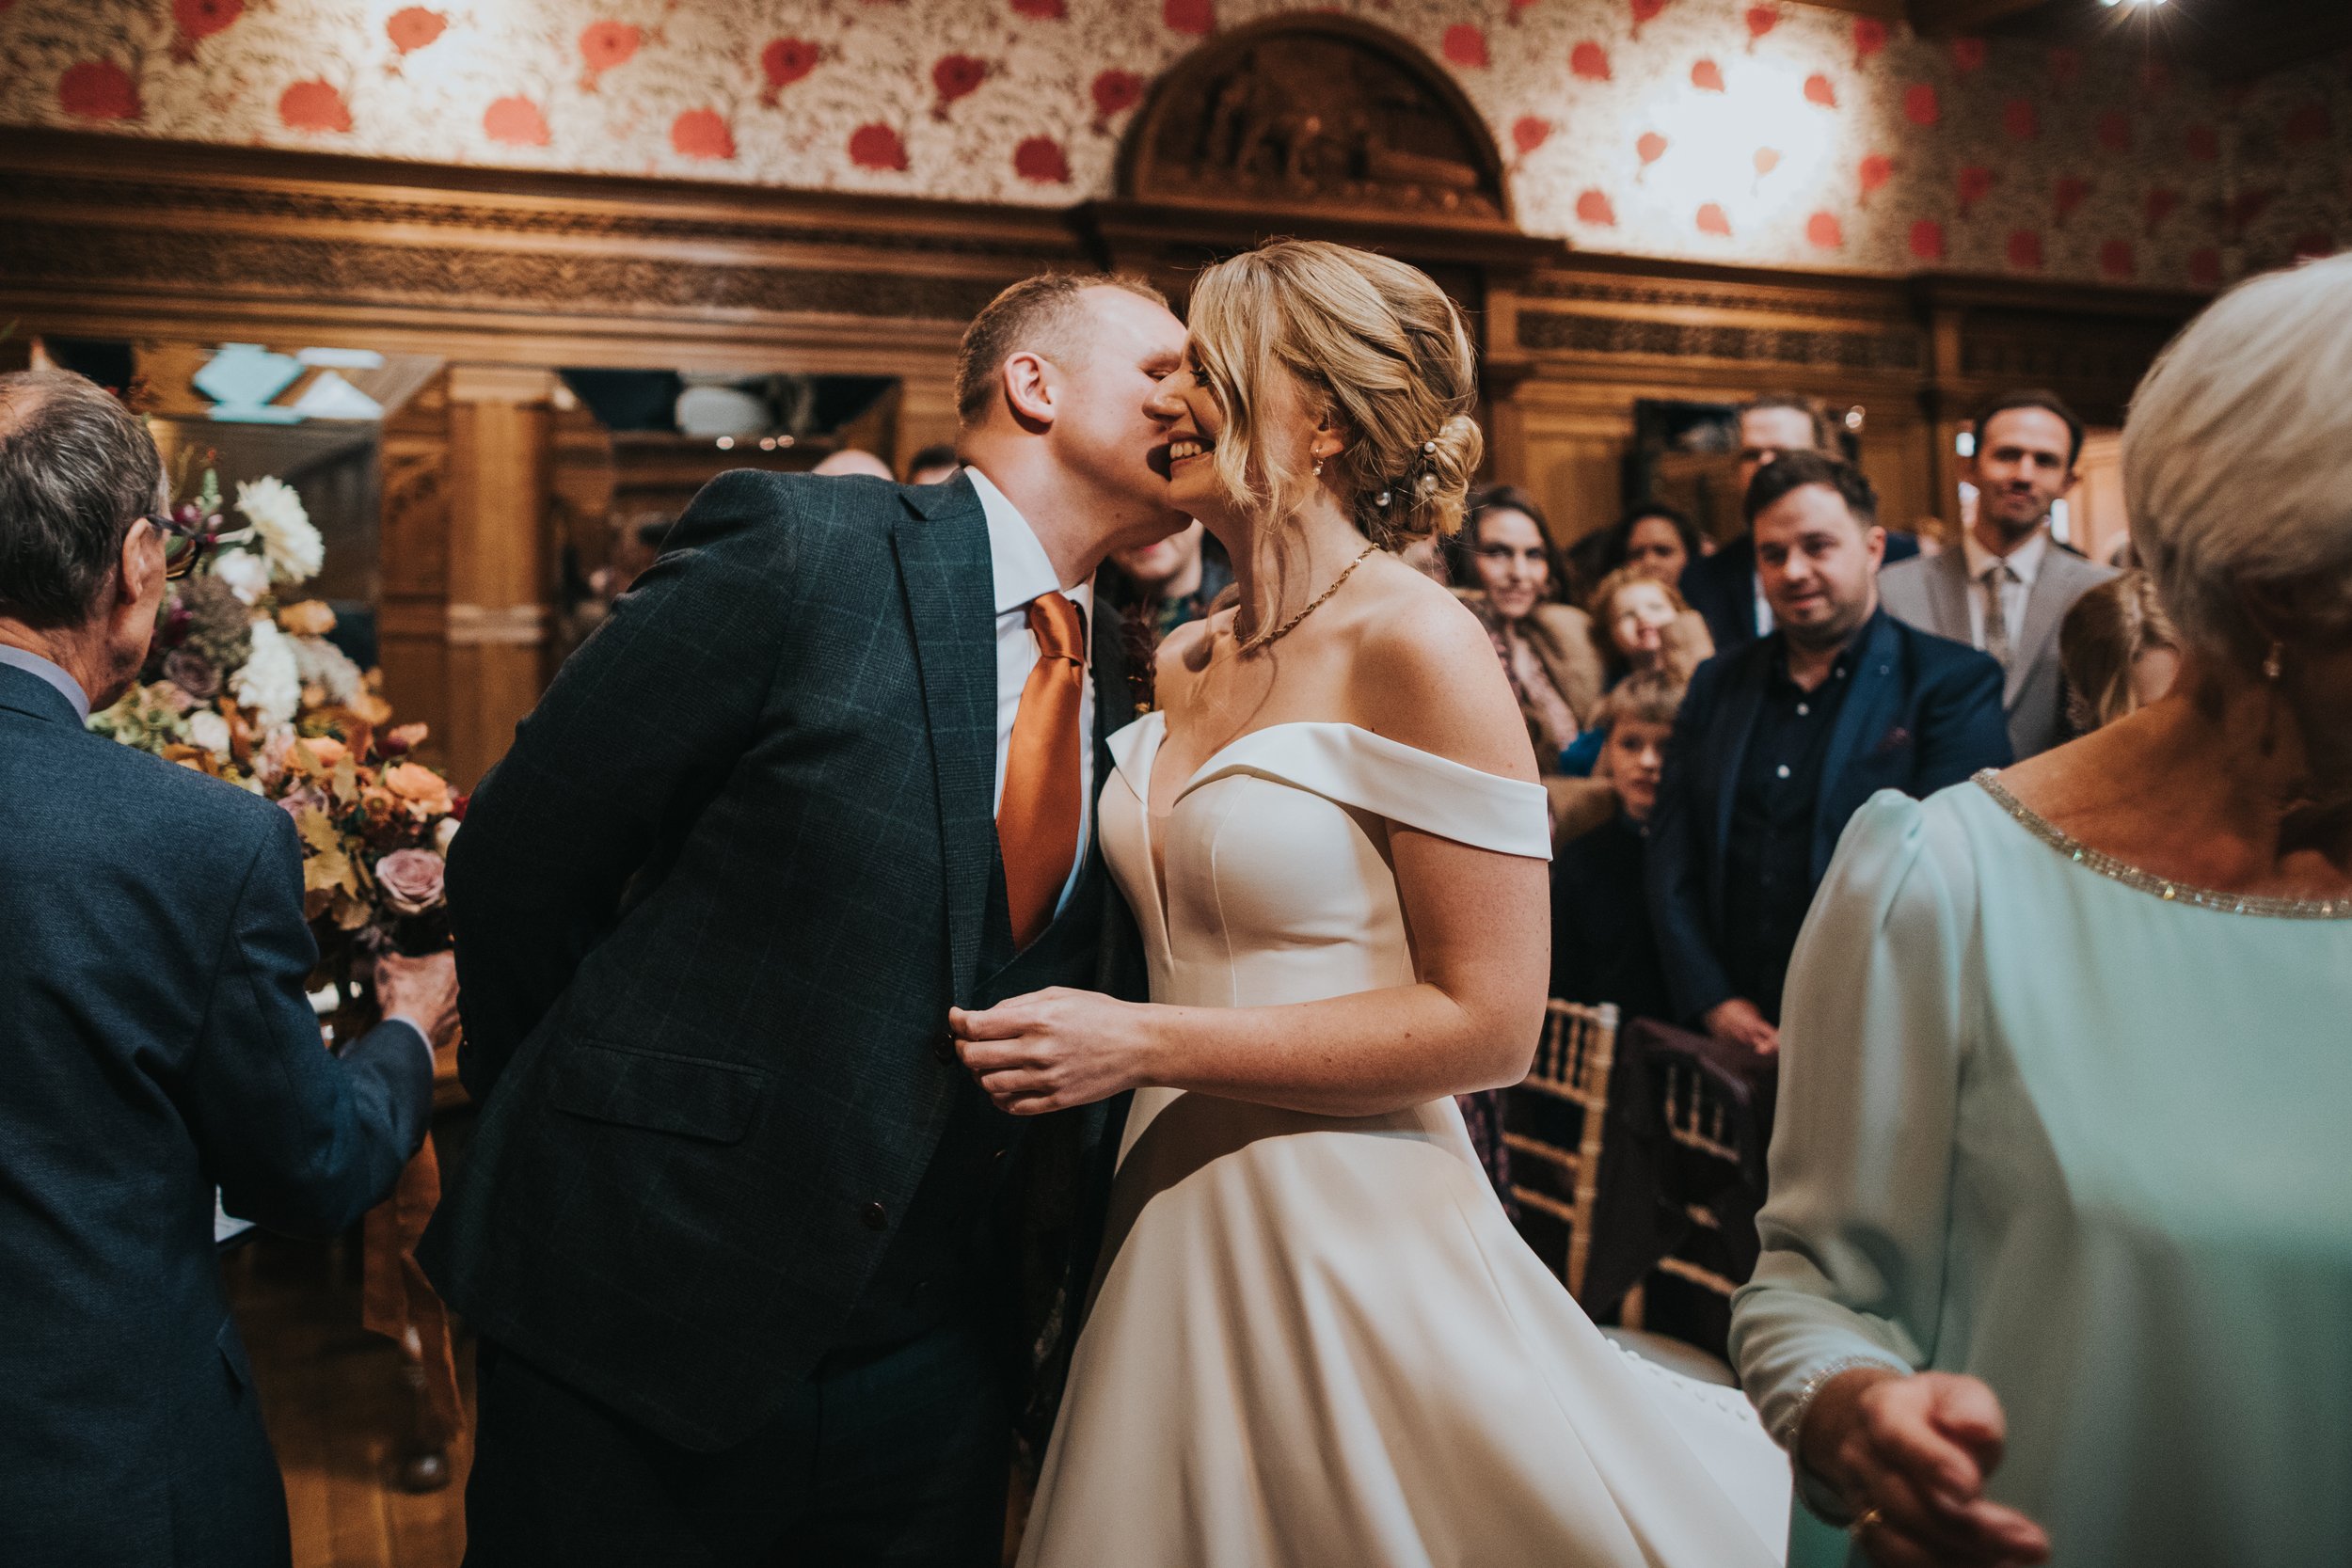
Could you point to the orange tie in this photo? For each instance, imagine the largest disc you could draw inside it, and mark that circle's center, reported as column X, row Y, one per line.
column 1037, row 822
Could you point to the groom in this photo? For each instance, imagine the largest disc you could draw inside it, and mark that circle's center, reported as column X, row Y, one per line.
column 760, row 1275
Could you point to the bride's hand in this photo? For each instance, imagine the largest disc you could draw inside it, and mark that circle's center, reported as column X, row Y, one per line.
column 1052, row 1049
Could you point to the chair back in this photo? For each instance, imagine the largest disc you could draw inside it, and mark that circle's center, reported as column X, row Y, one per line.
column 1561, row 1111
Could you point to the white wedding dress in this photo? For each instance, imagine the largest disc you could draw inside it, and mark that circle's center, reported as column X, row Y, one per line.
column 1317, row 1340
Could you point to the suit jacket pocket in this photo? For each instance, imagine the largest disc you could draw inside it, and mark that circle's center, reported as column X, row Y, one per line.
column 652, row 1089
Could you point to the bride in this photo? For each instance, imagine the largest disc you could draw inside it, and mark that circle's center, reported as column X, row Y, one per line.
column 1316, row 1338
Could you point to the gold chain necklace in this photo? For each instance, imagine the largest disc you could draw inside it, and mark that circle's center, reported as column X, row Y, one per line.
column 1251, row 645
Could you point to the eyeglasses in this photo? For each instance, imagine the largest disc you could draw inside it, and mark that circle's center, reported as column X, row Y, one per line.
column 186, row 538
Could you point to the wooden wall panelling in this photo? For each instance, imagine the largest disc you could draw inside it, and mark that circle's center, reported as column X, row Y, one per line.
column 501, row 472
column 412, row 623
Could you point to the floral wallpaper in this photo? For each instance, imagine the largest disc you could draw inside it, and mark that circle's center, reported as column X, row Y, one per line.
column 1756, row 132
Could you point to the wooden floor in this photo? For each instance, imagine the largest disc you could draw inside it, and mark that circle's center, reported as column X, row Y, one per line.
column 334, row 1406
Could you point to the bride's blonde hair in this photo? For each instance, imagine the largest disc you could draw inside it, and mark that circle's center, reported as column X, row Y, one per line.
column 1383, row 350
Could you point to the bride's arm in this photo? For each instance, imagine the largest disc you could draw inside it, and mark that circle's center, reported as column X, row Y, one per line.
column 1479, row 923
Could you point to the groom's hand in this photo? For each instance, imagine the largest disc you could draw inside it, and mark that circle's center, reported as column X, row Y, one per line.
column 1053, row 1050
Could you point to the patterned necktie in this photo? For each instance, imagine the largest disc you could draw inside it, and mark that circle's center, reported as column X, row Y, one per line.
column 1997, row 577
column 1037, row 821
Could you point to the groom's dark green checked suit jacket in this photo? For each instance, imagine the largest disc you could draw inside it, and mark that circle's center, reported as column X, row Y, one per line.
column 711, row 912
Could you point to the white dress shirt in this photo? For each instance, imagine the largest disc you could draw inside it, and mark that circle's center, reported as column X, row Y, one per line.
column 2026, row 562
column 1023, row 571
column 34, row 665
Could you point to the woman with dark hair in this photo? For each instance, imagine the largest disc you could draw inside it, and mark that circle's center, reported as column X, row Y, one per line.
column 1510, row 573
column 1653, row 539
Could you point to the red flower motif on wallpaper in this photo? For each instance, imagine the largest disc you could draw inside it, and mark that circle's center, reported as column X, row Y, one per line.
column 1926, row 240
column 99, row 89
column 1645, row 10
column 956, row 76
column 604, row 45
column 1819, row 89
column 2115, row 259
column 2204, row 266
column 1766, row 159
column 1649, row 147
column 314, row 105
column 1712, row 220
column 1040, row 159
column 1043, row 11
column 2069, row 194
column 412, row 27
column 1973, row 186
column 1706, row 76
column 1529, row 132
column 515, row 121
column 1762, row 20
column 1466, row 45
column 2312, row 246
column 783, row 62
column 1921, row 107
column 1593, row 207
column 702, row 134
column 1969, row 54
column 1590, row 61
column 1114, row 93
column 1874, row 171
column 2203, row 143
column 2066, row 67
column 1192, row 18
column 2115, row 131
column 877, row 146
column 194, row 21
column 2024, row 250
column 2020, row 121
column 1869, row 38
column 2160, row 204
column 1823, row 230
column 2306, row 124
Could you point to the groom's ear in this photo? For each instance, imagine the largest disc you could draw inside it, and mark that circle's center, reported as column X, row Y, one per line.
column 1028, row 386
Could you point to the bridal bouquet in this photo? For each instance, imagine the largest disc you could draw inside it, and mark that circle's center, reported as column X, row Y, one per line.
column 242, row 684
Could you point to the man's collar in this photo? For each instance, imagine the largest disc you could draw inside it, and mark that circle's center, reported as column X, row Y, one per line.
column 33, row 664
column 1022, row 569
column 2025, row 560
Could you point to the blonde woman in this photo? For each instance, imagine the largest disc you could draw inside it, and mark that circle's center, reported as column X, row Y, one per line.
column 2118, row 652
column 1314, row 1336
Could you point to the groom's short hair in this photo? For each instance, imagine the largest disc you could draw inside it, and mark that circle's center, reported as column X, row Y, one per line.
column 1035, row 314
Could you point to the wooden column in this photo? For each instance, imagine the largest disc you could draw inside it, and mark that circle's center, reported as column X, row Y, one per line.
column 927, row 411
column 500, row 582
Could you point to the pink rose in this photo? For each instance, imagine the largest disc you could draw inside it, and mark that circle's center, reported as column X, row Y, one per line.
column 411, row 880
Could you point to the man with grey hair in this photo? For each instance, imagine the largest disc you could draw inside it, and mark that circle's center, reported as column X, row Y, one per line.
column 154, row 957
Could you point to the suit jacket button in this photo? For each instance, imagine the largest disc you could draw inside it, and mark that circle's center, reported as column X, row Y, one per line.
column 876, row 1216
column 946, row 1047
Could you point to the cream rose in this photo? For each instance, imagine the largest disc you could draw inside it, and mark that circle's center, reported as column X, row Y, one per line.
column 413, row 880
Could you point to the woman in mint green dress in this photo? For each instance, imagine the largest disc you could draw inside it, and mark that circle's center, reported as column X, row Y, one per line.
column 2059, row 1254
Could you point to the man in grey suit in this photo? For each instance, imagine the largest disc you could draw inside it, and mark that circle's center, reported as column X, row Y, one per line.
column 761, row 1274
column 2009, row 584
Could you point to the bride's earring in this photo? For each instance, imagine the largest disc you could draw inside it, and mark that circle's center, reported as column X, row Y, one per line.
column 1319, row 475
column 2274, row 666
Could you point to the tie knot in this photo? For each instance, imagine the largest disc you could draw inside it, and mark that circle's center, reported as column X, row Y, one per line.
column 1059, row 626
column 1998, row 574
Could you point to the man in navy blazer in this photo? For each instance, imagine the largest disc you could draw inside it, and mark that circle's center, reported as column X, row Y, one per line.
column 156, row 1044
column 1726, row 588
column 1779, row 743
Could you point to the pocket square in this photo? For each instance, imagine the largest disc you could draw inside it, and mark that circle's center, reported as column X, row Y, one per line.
column 1893, row 740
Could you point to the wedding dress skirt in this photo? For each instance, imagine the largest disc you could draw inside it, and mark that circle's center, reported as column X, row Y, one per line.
column 1318, row 1339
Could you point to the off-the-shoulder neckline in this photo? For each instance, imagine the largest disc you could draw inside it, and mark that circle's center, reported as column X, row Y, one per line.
column 2166, row 888
column 1218, row 757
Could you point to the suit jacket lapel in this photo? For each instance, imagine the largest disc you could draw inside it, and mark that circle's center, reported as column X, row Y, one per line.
column 1743, row 699
column 944, row 567
column 2044, row 606
column 1948, row 592
column 1866, row 710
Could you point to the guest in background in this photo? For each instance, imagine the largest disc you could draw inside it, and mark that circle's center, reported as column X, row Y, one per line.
column 1640, row 625
column 2009, row 585
column 934, row 464
column 1726, row 588
column 1654, row 539
column 1780, row 742
column 154, row 957
column 853, row 460
column 1512, row 580
column 1602, row 949
column 2058, row 1253
column 1157, row 588
column 2118, row 652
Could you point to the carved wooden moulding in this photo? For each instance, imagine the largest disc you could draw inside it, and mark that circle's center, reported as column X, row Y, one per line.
column 1556, row 332
column 1316, row 113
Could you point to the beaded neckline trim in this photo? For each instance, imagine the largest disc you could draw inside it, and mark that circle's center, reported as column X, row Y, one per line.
column 2171, row 891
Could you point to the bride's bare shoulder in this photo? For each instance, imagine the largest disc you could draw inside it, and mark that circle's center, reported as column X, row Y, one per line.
column 1182, row 656
column 1425, row 673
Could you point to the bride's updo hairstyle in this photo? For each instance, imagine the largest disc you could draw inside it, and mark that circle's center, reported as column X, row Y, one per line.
column 1370, row 340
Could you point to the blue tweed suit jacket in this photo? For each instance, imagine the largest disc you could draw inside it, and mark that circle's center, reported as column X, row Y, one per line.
column 711, row 912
